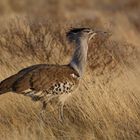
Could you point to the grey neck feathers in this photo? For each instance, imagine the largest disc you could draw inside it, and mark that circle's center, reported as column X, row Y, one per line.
column 79, row 58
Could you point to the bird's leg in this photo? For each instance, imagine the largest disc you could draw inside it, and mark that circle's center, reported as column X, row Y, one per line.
column 42, row 113
column 44, row 105
column 61, row 112
column 45, row 102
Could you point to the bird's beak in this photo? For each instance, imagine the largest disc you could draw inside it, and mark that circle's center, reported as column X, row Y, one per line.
column 100, row 33
column 92, row 35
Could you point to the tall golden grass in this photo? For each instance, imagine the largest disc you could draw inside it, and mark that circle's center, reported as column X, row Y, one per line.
column 107, row 103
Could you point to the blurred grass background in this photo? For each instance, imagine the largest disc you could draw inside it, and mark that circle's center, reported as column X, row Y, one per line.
column 107, row 104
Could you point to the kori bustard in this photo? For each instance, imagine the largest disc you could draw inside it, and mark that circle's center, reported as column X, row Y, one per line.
column 44, row 82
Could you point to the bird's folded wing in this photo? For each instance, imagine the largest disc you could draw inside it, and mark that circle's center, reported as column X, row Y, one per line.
column 44, row 78
column 37, row 79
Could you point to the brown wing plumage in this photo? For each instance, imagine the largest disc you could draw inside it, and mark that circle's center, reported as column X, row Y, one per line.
column 38, row 81
column 43, row 78
column 7, row 84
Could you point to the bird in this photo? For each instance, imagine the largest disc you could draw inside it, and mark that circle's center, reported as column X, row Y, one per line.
column 44, row 82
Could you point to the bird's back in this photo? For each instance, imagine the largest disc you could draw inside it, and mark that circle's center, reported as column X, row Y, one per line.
column 42, row 78
column 52, row 79
column 6, row 84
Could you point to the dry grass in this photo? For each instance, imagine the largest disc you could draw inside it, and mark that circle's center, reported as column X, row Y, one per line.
column 107, row 104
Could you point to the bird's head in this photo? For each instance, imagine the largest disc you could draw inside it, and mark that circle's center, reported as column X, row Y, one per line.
column 87, row 34
column 80, row 33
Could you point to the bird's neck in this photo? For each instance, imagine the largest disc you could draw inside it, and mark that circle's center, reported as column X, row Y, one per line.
column 79, row 58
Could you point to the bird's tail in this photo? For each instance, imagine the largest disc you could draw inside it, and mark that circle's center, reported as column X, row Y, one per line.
column 4, row 88
column 6, row 85
column 2, row 91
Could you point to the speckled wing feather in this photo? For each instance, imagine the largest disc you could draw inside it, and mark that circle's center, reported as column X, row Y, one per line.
column 50, row 79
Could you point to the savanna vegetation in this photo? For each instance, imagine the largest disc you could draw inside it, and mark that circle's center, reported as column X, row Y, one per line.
column 107, row 104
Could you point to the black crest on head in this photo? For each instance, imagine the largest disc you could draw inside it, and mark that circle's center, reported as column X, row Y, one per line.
column 72, row 33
